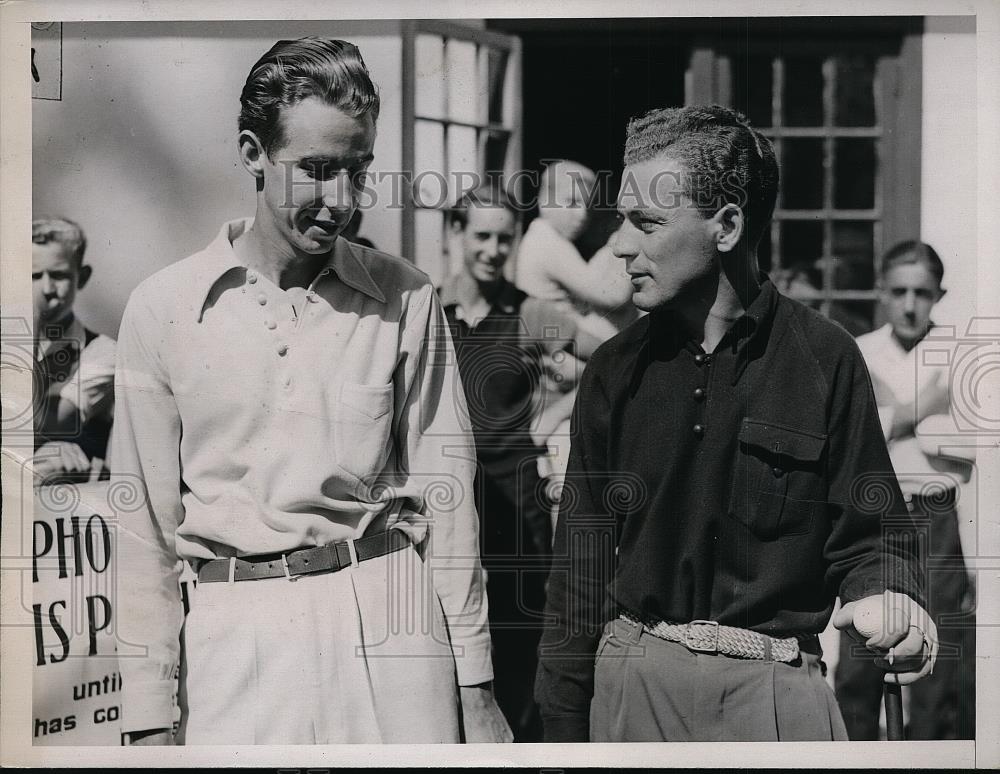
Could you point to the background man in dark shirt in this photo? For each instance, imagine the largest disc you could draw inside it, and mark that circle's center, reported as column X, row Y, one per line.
column 501, row 335
column 728, row 478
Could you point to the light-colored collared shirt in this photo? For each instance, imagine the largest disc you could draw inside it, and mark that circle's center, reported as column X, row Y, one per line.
column 264, row 420
column 917, row 458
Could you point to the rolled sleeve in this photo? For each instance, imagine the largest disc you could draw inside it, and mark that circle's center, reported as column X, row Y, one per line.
column 145, row 450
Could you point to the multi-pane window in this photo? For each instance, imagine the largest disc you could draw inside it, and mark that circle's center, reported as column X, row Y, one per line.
column 845, row 128
column 463, row 128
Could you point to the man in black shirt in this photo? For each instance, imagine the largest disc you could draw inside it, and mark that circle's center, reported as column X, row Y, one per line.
column 728, row 478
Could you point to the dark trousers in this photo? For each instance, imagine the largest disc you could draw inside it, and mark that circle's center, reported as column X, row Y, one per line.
column 942, row 705
column 516, row 552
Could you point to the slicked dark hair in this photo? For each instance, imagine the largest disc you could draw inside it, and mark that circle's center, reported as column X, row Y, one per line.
column 725, row 160
column 910, row 252
column 488, row 195
column 293, row 70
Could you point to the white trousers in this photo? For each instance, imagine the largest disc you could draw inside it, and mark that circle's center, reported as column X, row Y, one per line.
column 356, row 656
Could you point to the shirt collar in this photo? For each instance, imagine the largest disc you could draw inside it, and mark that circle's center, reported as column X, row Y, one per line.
column 752, row 328
column 219, row 258
column 747, row 335
column 74, row 332
column 449, row 295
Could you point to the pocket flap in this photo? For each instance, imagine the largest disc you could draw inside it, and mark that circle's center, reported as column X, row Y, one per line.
column 371, row 400
column 778, row 440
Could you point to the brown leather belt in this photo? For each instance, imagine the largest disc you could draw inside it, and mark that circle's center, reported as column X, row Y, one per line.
column 304, row 561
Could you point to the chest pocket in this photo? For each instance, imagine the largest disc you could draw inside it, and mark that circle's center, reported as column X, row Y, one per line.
column 778, row 484
column 363, row 424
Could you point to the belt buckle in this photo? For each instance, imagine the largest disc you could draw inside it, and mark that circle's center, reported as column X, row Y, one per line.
column 701, row 648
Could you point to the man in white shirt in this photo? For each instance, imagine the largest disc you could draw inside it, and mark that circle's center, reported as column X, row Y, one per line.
column 914, row 405
column 289, row 401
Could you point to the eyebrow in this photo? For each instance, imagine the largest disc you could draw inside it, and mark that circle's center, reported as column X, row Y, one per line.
column 640, row 212
column 335, row 160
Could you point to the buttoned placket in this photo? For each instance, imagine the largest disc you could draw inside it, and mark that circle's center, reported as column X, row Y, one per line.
column 282, row 345
column 700, row 393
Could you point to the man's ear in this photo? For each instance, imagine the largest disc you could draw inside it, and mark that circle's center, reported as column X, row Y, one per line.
column 82, row 275
column 941, row 292
column 729, row 223
column 251, row 153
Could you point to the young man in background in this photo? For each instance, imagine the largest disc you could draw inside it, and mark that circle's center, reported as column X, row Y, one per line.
column 501, row 336
column 914, row 405
column 74, row 366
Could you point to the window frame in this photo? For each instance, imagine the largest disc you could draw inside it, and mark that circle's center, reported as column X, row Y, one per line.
column 481, row 38
column 896, row 43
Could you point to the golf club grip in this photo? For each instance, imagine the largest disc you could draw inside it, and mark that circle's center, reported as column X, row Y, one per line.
column 893, row 713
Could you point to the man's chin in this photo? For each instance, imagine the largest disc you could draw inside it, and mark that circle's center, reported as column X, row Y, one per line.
column 315, row 244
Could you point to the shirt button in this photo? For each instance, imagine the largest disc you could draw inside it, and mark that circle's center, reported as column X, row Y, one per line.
column 699, row 393
column 262, row 299
column 282, row 349
column 699, row 429
column 271, row 324
column 251, row 277
column 778, row 472
column 699, row 358
column 311, row 296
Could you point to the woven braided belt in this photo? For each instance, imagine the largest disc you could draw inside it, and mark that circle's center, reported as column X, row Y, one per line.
column 712, row 637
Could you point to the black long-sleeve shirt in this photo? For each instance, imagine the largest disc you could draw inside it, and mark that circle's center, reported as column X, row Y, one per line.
column 748, row 486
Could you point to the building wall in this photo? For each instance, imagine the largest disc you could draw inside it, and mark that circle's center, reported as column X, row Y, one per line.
column 949, row 163
column 142, row 148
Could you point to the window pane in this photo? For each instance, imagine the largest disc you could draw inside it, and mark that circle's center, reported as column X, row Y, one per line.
column 854, row 98
column 854, row 255
column 429, row 244
column 464, row 88
column 854, row 174
column 753, row 89
column 802, row 246
column 802, row 174
column 429, row 188
column 803, row 102
column 496, row 75
column 496, row 153
column 429, row 55
column 463, row 164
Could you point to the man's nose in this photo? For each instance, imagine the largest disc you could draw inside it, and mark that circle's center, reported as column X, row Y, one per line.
column 909, row 303
column 622, row 242
column 338, row 194
column 491, row 247
column 47, row 285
